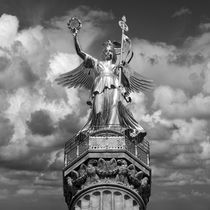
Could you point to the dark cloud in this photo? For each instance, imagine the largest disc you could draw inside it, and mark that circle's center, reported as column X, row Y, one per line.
column 41, row 123
column 6, row 131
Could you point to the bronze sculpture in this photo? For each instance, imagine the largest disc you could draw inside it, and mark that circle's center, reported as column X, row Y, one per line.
column 109, row 82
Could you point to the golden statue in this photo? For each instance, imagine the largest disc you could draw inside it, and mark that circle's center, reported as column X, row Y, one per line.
column 109, row 82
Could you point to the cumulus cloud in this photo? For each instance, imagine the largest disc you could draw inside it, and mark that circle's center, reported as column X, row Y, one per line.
column 37, row 115
column 8, row 27
column 198, row 44
column 175, row 103
column 160, row 62
column 61, row 63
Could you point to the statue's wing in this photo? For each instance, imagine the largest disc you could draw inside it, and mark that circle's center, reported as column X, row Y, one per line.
column 135, row 82
column 82, row 76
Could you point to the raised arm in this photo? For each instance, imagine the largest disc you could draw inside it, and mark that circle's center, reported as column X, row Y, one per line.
column 77, row 47
column 74, row 25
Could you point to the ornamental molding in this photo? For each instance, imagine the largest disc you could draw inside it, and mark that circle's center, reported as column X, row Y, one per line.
column 112, row 171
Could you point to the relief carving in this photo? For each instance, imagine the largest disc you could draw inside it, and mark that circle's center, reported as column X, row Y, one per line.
column 108, row 171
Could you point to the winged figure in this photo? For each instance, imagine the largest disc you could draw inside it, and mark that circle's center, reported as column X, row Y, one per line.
column 107, row 89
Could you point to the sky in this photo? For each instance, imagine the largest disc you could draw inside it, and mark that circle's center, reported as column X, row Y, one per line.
column 171, row 44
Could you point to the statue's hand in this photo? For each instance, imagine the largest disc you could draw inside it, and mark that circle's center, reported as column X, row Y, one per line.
column 119, row 67
column 74, row 31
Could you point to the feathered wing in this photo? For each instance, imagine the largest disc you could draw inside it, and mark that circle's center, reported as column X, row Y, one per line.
column 82, row 76
column 135, row 82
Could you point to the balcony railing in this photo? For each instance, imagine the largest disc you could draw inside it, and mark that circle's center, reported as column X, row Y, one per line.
column 105, row 139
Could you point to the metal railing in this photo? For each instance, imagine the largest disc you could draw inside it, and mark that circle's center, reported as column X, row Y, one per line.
column 80, row 144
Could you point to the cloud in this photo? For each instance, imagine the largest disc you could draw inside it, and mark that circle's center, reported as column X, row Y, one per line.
column 204, row 26
column 6, row 131
column 25, row 192
column 206, row 85
column 199, row 44
column 205, row 154
column 18, row 74
column 170, row 65
column 185, row 59
column 59, row 36
column 41, row 123
column 61, row 63
column 4, row 62
column 8, row 27
column 175, row 103
column 38, row 116
column 181, row 12
column 70, row 124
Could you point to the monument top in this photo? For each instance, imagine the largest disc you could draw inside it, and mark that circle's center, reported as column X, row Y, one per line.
column 107, row 164
column 109, row 80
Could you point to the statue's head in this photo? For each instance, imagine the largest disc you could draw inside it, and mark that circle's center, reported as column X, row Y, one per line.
column 109, row 52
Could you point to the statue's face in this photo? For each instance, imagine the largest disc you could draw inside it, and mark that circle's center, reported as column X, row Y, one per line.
column 108, row 53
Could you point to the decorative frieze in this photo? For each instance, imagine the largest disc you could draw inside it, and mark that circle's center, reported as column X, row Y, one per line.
column 99, row 171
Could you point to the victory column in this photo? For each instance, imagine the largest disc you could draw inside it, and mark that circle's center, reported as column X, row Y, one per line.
column 107, row 163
